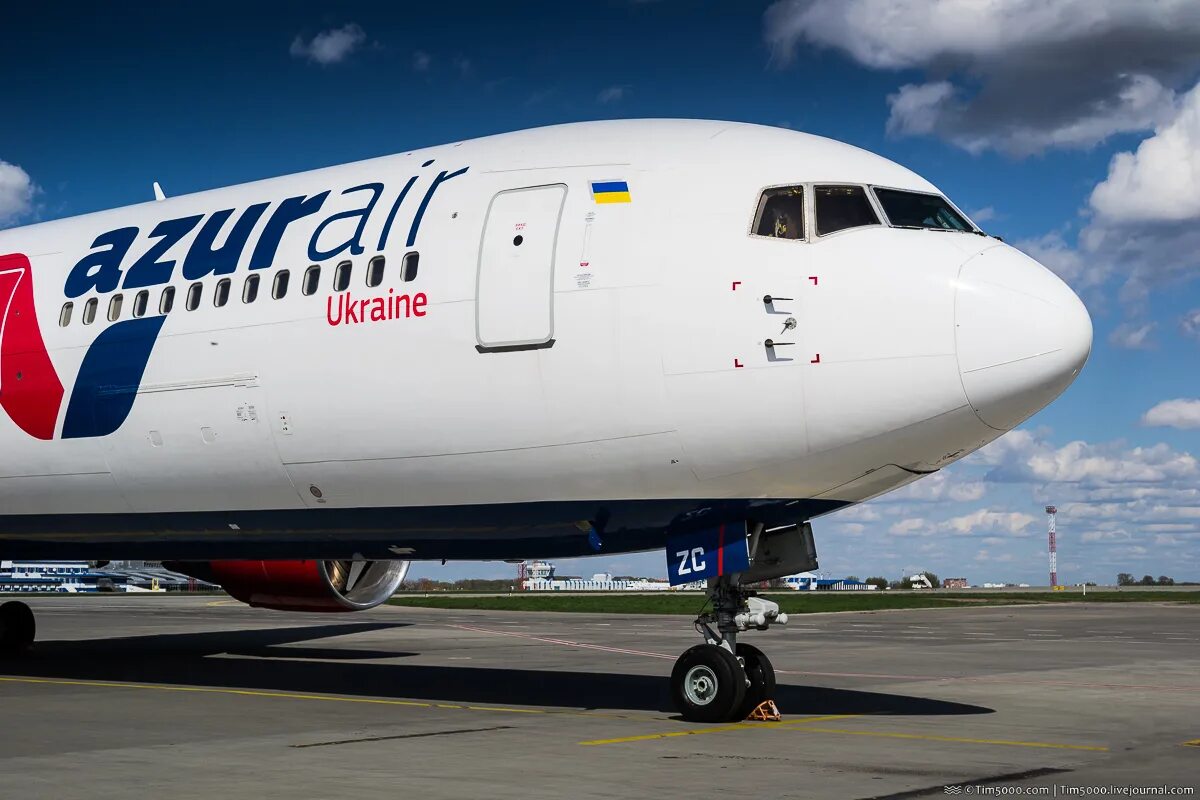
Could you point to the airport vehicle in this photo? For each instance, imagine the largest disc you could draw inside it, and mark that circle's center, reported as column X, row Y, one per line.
column 590, row 338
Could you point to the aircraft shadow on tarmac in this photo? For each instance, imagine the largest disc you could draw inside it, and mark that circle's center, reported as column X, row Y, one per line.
column 266, row 663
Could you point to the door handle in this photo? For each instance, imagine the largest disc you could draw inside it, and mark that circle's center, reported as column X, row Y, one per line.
column 768, row 299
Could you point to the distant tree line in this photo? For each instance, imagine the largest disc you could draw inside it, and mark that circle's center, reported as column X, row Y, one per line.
column 1127, row 579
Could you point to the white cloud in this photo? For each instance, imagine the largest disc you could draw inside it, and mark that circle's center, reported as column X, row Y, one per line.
column 422, row 61
column 939, row 486
column 1097, row 69
column 1189, row 324
column 1013, row 523
column 611, row 94
column 1181, row 413
column 985, row 214
column 1129, row 336
column 16, row 193
column 1160, row 181
column 331, row 46
column 1024, row 458
column 910, row 527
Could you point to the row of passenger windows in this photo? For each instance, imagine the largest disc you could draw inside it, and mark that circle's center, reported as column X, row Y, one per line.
column 309, row 283
column 837, row 208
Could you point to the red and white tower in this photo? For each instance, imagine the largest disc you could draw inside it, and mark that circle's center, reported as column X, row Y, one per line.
column 1051, row 515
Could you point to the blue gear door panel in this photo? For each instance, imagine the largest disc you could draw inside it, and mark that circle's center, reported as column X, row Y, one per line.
column 514, row 293
column 708, row 553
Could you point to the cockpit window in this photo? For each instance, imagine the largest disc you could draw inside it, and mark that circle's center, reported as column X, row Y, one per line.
column 842, row 207
column 781, row 213
column 919, row 210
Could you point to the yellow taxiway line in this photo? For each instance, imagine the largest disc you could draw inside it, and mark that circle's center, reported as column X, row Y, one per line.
column 802, row 726
column 737, row 726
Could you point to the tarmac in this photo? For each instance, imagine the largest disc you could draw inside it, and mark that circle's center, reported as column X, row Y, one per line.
column 202, row 697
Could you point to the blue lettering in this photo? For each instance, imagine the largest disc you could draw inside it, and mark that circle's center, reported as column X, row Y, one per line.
column 391, row 217
column 438, row 181
column 289, row 211
column 353, row 244
column 204, row 259
column 148, row 270
column 101, row 271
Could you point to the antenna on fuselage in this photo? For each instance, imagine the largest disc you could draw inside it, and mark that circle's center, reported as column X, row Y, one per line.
column 158, row 192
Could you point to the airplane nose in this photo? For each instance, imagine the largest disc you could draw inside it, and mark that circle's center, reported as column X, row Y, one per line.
column 1022, row 335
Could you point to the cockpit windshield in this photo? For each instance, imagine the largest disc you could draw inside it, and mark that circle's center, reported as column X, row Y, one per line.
column 919, row 210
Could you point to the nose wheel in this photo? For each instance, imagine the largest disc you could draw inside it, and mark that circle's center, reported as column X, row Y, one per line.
column 723, row 680
column 708, row 684
column 17, row 628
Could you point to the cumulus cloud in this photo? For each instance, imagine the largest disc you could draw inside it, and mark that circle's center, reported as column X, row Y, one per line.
column 16, row 193
column 911, row 527
column 1026, row 458
column 1130, row 336
column 330, row 46
column 1160, row 181
column 611, row 94
column 1182, row 413
column 1013, row 523
column 1018, row 76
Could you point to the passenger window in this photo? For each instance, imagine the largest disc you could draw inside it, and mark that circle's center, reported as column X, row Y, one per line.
column 167, row 301
column 408, row 270
column 221, row 295
column 341, row 277
column 842, row 207
column 89, row 311
column 140, row 301
column 279, row 290
column 64, row 316
column 781, row 213
column 312, row 279
column 375, row 271
column 114, row 307
column 250, row 290
column 193, row 296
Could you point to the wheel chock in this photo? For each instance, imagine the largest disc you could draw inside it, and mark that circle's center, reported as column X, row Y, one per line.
column 766, row 711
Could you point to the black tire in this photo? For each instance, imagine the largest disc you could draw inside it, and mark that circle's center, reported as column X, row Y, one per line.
column 708, row 684
column 761, row 676
column 17, row 628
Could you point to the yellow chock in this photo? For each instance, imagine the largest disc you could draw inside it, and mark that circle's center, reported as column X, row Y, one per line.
column 766, row 711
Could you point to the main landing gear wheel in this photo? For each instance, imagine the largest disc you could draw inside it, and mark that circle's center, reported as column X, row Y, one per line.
column 708, row 684
column 17, row 628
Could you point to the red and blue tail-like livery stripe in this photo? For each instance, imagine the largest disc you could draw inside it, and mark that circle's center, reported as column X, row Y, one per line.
column 30, row 391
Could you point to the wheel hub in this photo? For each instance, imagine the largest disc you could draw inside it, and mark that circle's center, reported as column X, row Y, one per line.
column 700, row 685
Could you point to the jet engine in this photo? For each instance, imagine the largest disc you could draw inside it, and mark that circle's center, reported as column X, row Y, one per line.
column 307, row 585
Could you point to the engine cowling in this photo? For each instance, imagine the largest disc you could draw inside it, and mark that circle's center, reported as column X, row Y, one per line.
column 306, row 585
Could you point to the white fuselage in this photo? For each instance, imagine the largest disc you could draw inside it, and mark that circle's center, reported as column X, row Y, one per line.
column 617, row 352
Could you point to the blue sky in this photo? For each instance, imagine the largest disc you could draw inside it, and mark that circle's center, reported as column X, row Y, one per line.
column 1068, row 128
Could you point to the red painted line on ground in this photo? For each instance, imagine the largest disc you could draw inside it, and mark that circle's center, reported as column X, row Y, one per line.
column 883, row 675
column 565, row 642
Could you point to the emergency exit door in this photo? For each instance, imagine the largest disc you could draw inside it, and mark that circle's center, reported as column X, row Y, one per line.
column 514, row 293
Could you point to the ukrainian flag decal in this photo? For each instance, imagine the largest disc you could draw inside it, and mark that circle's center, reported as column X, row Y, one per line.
column 610, row 192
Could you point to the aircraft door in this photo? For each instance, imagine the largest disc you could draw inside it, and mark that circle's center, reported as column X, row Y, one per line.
column 514, row 292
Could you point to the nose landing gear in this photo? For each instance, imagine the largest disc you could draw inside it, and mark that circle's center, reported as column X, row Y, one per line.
column 17, row 628
column 723, row 680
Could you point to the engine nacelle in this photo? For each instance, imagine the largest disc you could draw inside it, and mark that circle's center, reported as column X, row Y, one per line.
column 307, row 585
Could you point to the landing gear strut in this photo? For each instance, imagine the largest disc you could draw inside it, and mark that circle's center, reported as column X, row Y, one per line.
column 723, row 680
column 17, row 628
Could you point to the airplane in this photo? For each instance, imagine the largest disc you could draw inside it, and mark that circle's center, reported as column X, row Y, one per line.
column 593, row 338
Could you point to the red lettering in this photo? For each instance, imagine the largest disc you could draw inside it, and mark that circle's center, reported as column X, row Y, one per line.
column 351, row 310
column 329, row 310
column 418, row 304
